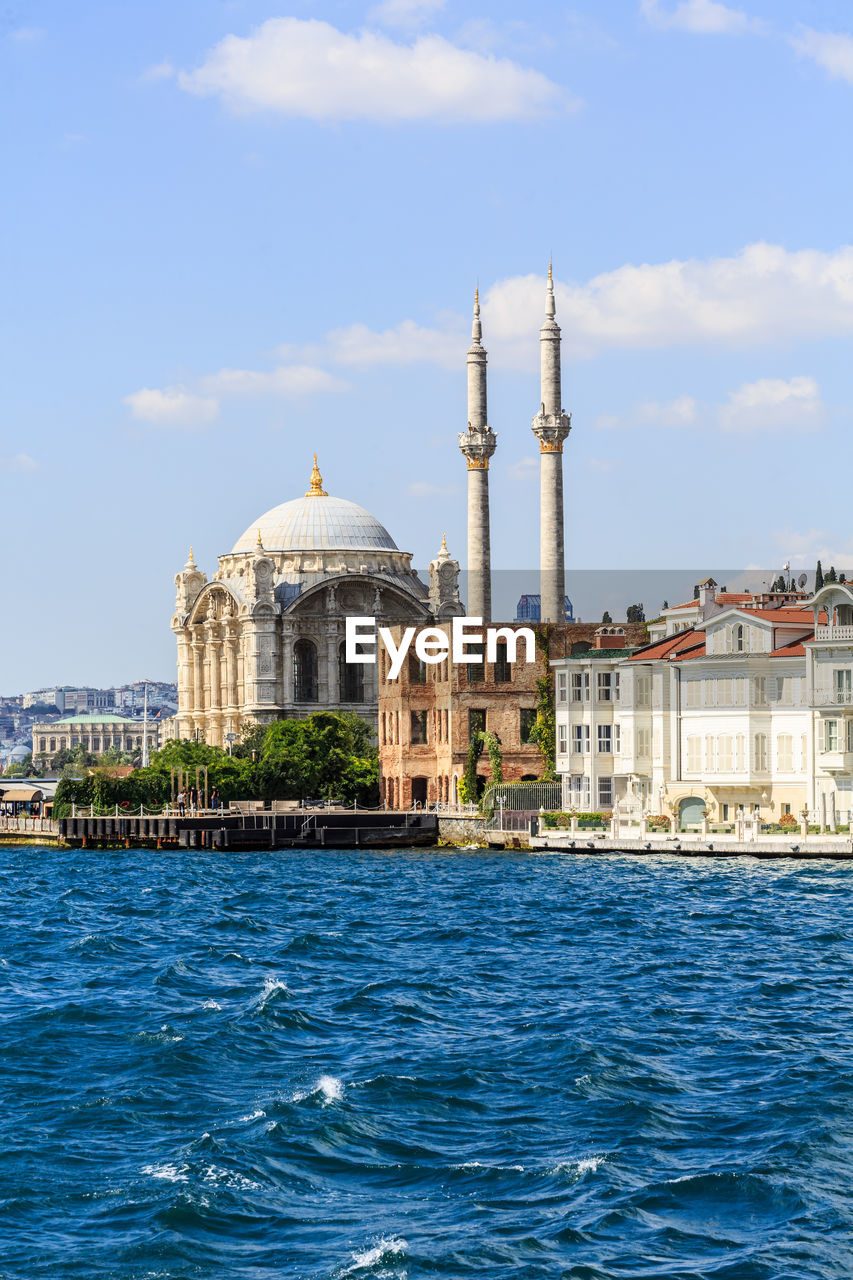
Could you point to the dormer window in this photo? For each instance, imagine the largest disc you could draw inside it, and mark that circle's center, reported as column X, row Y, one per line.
column 739, row 638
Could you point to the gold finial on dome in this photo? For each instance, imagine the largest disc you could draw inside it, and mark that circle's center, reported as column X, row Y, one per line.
column 550, row 277
column 316, row 490
column 260, row 544
column 191, row 557
column 444, row 542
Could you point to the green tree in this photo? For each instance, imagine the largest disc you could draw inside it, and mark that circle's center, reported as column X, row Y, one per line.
column 606, row 618
column 635, row 613
column 831, row 575
column 818, row 577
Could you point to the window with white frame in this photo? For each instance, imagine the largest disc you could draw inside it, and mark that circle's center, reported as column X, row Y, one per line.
column 580, row 686
column 605, row 739
column 605, row 793
column 842, row 684
column 830, row 735
column 739, row 638
column 693, row 691
column 724, row 753
column 562, row 686
column 740, row 750
column 644, row 743
column 580, row 791
column 849, row 735
column 607, row 686
column 739, row 691
column 580, row 739
column 759, row 691
column 760, row 752
column 643, row 691
column 785, row 753
column 724, row 692
column 562, row 738
column 694, row 753
column 710, row 754
column 617, row 739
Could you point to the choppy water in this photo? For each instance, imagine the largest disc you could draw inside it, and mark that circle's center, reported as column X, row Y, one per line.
column 424, row 1065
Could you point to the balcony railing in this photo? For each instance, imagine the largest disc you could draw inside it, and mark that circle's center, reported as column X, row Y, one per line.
column 832, row 698
column 833, row 633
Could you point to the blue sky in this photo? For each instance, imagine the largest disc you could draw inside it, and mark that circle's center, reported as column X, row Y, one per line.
column 233, row 233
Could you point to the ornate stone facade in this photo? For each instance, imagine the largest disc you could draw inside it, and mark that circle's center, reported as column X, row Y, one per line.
column 264, row 637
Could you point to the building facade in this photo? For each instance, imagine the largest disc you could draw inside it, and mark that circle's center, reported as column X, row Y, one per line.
column 429, row 713
column 264, row 638
column 740, row 702
column 95, row 733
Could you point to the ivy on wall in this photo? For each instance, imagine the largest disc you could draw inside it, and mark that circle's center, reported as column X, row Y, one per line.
column 544, row 731
column 468, row 781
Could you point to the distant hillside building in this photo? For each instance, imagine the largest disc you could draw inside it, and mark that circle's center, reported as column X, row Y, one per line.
column 95, row 733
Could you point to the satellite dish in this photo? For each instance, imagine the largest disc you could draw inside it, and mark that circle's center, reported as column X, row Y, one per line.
column 802, row 580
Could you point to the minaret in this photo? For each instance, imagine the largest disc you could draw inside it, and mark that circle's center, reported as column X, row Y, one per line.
column 478, row 444
column 551, row 426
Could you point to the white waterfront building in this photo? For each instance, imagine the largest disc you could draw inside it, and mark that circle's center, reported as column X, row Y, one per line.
column 740, row 701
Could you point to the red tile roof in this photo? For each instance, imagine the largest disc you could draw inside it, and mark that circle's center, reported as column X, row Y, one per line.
column 803, row 616
column 671, row 647
column 722, row 597
column 793, row 649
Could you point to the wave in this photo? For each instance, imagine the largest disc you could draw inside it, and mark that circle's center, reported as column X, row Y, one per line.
column 328, row 1088
column 385, row 1250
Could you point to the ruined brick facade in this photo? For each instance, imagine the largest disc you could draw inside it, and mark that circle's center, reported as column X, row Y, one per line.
column 427, row 715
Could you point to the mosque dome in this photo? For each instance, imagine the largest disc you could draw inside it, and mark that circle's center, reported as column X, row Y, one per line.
column 316, row 523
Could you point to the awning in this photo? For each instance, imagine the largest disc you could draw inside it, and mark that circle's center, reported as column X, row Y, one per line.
column 21, row 794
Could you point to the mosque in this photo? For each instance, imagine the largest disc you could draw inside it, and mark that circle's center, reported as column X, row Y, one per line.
column 263, row 638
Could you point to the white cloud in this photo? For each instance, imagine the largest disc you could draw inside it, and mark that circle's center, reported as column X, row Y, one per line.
column 772, row 404
column 18, row 462
column 286, row 380
column 406, row 14
column 524, row 468
column 804, row 549
column 159, row 71
column 309, row 68
column 27, row 35
column 423, row 489
column 768, row 404
column 178, row 407
column 702, row 17
column 172, row 407
column 406, row 343
column 830, row 50
column 764, row 294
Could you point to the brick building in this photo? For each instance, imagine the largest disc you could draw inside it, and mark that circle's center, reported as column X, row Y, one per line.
column 429, row 712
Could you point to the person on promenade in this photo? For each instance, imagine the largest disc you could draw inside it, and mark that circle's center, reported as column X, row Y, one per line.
column 193, row 799
column 182, row 802
column 214, row 798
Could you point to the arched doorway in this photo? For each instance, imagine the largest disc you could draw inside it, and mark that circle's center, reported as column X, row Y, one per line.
column 305, row 671
column 350, row 678
column 690, row 811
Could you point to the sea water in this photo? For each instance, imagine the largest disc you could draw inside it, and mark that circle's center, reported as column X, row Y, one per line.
column 424, row 1064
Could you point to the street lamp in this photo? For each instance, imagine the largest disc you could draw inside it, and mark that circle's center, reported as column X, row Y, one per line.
column 229, row 738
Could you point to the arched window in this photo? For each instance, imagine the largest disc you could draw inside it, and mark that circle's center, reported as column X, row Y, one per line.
column 305, row 671
column 739, row 638
column 417, row 670
column 350, row 678
column 503, row 667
